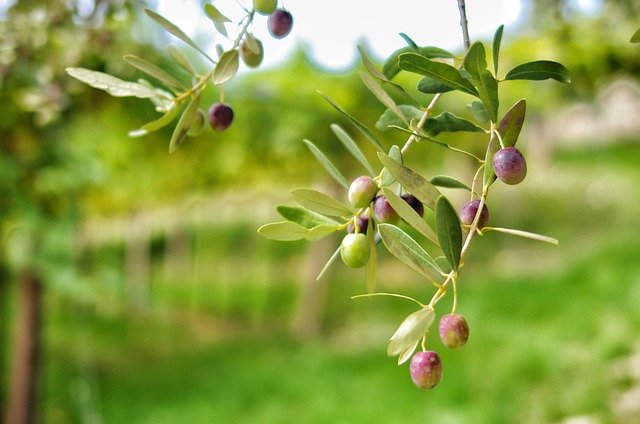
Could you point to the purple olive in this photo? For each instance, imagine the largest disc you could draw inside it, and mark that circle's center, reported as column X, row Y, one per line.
column 220, row 116
column 280, row 23
column 454, row 331
column 383, row 212
column 426, row 369
column 414, row 203
column 509, row 165
column 468, row 213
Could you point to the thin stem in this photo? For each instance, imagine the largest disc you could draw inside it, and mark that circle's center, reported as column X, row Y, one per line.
column 464, row 24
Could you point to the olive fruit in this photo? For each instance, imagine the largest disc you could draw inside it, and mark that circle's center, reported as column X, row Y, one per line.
column 362, row 191
column 362, row 222
column 454, row 331
column 469, row 210
column 383, row 212
column 220, row 116
column 265, row 7
column 426, row 369
column 355, row 250
column 509, row 165
column 414, row 203
column 280, row 23
column 251, row 52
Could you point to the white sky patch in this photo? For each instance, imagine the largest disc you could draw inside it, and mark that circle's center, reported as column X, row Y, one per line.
column 330, row 30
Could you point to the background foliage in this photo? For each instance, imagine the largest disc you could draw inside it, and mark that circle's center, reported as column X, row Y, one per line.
column 209, row 333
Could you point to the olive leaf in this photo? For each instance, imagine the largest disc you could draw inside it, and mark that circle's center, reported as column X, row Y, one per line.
column 478, row 111
column 319, row 202
column 217, row 17
column 497, row 40
column 539, row 70
column 370, row 267
column 181, row 59
column 352, row 147
column 363, row 129
column 413, row 182
column 304, row 217
column 176, row 31
column 390, row 68
column 154, row 71
column 390, row 119
column 396, row 155
column 159, row 123
column 382, row 96
column 475, row 62
column 448, row 182
column 327, row 164
column 449, row 231
column 182, row 128
column 226, row 67
column 408, row 251
column 511, row 124
column 283, row 231
column 448, row 122
column 112, row 85
column 446, row 74
column 410, row 216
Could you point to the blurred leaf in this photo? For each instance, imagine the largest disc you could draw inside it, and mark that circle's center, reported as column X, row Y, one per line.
column 226, row 67
column 525, row 234
column 449, row 231
column 320, row 202
column 408, row 251
column 390, row 67
column 475, row 62
column 430, row 85
column 352, row 147
column 478, row 111
column 370, row 267
column 396, row 155
column 497, row 40
column 176, row 31
column 410, row 42
column 320, row 231
column 413, row 182
column 443, row 263
column 370, row 67
column 181, row 59
column 442, row 72
column 389, row 118
column 326, row 163
column 161, row 122
column 364, row 130
column 382, row 96
column 218, row 18
column 182, row 128
column 304, row 217
column 331, row 260
column 511, row 124
column 197, row 126
column 282, row 231
column 539, row 70
column 448, row 122
column 410, row 216
column 493, row 146
column 635, row 38
column 154, row 71
column 448, row 182
column 112, row 85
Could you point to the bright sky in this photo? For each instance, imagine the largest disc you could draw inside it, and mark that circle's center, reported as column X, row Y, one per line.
column 331, row 29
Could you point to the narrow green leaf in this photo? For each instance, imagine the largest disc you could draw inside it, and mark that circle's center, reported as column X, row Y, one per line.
column 364, row 130
column 478, row 111
column 410, row 216
column 176, row 31
column 525, row 234
column 497, row 40
column 448, row 182
column 408, row 251
column 226, row 68
column 182, row 128
column 283, row 231
column 511, row 124
column 442, row 72
column 161, row 122
column 410, row 42
column 154, row 71
column 112, row 85
column 493, row 146
column 304, row 217
column 181, row 59
column 449, row 231
column 326, row 163
column 320, row 231
column 430, row 85
column 371, row 266
column 635, row 38
column 390, row 119
column 539, row 70
column 320, row 202
column 390, row 67
column 475, row 62
column 382, row 95
column 370, row 67
column 448, row 122
column 396, row 155
column 331, row 260
column 352, row 147
column 413, row 182
column 217, row 17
